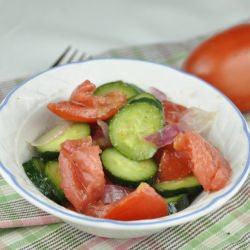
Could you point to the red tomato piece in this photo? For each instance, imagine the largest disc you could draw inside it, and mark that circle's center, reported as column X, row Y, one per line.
column 82, row 95
column 83, row 106
column 143, row 203
column 223, row 60
column 81, row 172
column 98, row 209
column 173, row 164
column 173, row 112
column 110, row 104
column 208, row 164
column 85, row 87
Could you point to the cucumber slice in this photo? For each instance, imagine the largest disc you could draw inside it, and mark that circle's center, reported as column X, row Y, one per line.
column 128, row 89
column 187, row 185
column 129, row 127
column 142, row 95
column 177, row 203
column 52, row 172
column 34, row 168
column 126, row 172
column 50, row 147
column 35, row 164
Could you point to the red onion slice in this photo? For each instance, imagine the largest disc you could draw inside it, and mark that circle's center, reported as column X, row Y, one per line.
column 114, row 193
column 158, row 93
column 194, row 119
column 105, row 130
column 197, row 120
column 165, row 136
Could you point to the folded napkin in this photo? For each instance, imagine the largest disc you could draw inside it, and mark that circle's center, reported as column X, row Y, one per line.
column 23, row 225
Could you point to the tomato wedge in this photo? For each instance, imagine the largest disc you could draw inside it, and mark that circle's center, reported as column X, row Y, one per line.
column 143, row 203
column 83, row 106
column 208, row 165
column 81, row 172
column 173, row 112
column 173, row 164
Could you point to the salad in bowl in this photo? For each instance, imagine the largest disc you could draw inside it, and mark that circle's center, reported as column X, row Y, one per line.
column 127, row 154
column 117, row 145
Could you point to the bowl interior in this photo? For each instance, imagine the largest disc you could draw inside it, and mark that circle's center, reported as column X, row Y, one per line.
column 24, row 124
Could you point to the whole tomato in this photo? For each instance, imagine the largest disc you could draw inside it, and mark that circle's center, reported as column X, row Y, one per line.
column 224, row 61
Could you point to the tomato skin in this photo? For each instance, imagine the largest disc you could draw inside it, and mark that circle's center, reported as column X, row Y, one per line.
column 173, row 164
column 173, row 111
column 83, row 106
column 223, row 61
column 79, row 92
column 143, row 203
column 82, row 94
column 81, row 172
column 98, row 209
column 77, row 113
column 208, row 165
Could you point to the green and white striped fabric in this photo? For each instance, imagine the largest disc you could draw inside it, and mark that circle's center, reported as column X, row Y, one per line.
column 24, row 227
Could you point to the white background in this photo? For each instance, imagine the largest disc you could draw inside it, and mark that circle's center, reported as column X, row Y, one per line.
column 33, row 33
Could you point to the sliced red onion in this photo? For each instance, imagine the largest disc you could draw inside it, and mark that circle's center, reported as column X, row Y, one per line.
column 194, row 119
column 158, row 93
column 105, row 130
column 114, row 193
column 165, row 136
column 51, row 135
column 197, row 120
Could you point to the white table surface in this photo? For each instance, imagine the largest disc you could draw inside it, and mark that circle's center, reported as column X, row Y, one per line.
column 33, row 33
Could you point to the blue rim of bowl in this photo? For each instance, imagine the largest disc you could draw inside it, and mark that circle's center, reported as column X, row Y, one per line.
column 198, row 212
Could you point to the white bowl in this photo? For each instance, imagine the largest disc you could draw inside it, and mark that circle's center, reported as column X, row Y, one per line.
column 23, row 116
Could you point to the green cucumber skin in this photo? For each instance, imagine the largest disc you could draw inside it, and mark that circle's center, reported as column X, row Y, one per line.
column 192, row 196
column 139, row 90
column 75, row 131
column 128, row 89
column 114, row 162
column 139, row 149
column 146, row 95
column 188, row 185
column 192, row 190
column 144, row 98
column 49, row 156
column 34, row 169
column 142, row 95
column 127, row 183
column 177, row 203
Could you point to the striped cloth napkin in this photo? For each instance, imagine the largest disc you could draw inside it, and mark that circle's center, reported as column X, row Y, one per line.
column 24, row 226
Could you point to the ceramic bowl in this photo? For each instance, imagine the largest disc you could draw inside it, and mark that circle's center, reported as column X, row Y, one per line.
column 24, row 116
